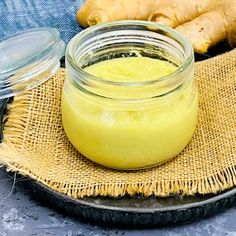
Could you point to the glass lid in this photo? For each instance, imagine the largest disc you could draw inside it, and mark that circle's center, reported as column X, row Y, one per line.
column 28, row 59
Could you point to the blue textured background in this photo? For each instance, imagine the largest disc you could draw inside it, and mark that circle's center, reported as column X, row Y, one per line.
column 18, row 15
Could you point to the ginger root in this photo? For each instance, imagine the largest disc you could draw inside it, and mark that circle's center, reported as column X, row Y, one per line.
column 204, row 22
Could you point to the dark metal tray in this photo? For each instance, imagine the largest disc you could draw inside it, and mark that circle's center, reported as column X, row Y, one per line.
column 136, row 211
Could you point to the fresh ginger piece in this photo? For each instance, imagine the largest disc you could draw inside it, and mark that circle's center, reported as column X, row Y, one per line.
column 230, row 19
column 176, row 12
column 204, row 22
column 202, row 32
column 99, row 11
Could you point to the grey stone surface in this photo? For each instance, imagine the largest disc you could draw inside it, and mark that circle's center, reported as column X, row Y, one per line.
column 23, row 215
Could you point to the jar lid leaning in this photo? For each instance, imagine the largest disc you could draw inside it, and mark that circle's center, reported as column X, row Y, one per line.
column 29, row 58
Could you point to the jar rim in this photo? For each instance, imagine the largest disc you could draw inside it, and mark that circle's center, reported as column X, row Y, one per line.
column 188, row 51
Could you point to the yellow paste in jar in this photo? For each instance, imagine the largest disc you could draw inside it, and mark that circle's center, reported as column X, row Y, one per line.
column 134, row 136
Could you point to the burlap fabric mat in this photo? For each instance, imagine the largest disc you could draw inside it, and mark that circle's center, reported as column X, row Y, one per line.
column 35, row 144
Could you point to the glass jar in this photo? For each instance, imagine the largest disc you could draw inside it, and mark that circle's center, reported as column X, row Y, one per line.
column 129, row 125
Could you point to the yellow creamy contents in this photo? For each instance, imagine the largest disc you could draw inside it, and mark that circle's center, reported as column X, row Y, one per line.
column 129, row 136
column 133, row 69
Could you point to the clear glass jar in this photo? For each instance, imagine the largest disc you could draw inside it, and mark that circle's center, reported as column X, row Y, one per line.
column 129, row 125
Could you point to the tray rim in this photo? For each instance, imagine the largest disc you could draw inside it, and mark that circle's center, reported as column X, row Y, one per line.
column 133, row 217
column 82, row 201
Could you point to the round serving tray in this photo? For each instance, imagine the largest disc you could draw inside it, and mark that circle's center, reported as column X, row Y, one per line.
column 138, row 211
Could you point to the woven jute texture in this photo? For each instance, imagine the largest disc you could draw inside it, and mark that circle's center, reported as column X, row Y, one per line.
column 35, row 144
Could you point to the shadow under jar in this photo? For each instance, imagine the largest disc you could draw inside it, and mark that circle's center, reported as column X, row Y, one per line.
column 129, row 124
